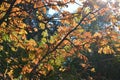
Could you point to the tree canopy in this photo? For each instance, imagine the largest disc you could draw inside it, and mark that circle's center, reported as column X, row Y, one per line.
column 35, row 44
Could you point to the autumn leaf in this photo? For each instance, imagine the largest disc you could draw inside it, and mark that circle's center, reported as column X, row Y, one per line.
column 51, row 39
column 108, row 50
column 40, row 51
column 92, row 70
column 3, row 24
column 31, row 44
column 103, row 42
column 45, row 33
column 55, row 8
column 118, row 49
column 18, row 1
column 1, row 48
column 97, row 35
column 22, row 25
column 96, row 6
column 31, row 56
column 42, row 25
column 22, row 32
column 100, row 50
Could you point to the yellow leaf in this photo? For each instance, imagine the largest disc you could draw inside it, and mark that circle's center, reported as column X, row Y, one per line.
column 13, row 37
column 103, row 42
column 42, row 25
column 1, row 48
column 45, row 33
column 21, row 45
column 108, row 50
column 40, row 17
column 89, row 50
column 22, row 25
column 62, row 69
column 81, row 30
column 112, row 51
column 1, row 40
column 10, row 73
column 32, row 42
column 22, row 31
column 105, row 50
column 3, row 24
column 97, row 35
column 13, row 49
column 35, row 29
column 87, row 10
column 43, row 40
column 51, row 39
column 86, row 46
column 100, row 50
column 117, row 45
column 83, row 65
column 92, row 70
column 31, row 56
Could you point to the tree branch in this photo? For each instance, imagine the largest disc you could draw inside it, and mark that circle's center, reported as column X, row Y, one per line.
column 47, row 53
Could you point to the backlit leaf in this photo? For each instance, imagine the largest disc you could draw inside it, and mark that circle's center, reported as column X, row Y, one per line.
column 42, row 25
column 45, row 33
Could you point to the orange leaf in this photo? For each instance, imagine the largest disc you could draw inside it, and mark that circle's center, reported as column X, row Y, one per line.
column 55, row 7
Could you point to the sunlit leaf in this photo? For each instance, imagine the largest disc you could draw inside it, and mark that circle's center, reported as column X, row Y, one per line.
column 22, row 31
column 1, row 48
column 42, row 25
column 55, row 7
column 45, row 33
column 51, row 39
column 100, row 50
column 31, row 56
column 92, row 70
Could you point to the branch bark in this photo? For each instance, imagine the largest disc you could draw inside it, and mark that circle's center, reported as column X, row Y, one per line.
column 47, row 53
column 35, row 67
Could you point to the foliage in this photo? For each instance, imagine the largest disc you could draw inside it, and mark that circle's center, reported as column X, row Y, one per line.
column 65, row 45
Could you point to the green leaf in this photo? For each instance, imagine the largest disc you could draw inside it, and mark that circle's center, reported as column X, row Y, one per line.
column 67, row 48
column 87, row 10
column 31, row 56
column 43, row 41
column 6, row 37
column 45, row 33
column 51, row 39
